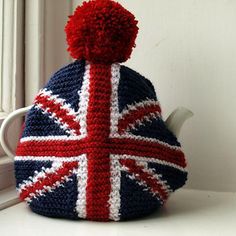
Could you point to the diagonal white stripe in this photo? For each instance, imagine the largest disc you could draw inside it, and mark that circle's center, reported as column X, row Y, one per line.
column 142, row 183
column 62, row 102
column 137, row 105
column 38, row 175
column 152, row 175
column 137, row 123
column 46, row 189
column 63, row 105
column 157, row 177
column 57, row 120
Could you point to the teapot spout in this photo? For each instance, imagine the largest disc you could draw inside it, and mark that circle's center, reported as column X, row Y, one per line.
column 177, row 118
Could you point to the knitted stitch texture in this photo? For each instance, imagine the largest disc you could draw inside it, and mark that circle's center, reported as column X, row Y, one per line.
column 95, row 147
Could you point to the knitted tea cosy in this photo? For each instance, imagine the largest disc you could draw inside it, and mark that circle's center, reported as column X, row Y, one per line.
column 94, row 145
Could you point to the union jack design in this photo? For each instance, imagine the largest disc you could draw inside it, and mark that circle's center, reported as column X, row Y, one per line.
column 94, row 146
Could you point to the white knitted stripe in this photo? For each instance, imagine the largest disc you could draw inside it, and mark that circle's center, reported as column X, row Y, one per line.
column 149, row 159
column 82, row 177
column 157, row 177
column 141, row 183
column 84, row 101
column 140, row 122
column 49, row 158
column 38, row 175
column 50, row 138
column 141, row 138
column 114, row 200
column 136, row 106
column 53, row 116
column 46, row 189
column 62, row 102
column 115, row 79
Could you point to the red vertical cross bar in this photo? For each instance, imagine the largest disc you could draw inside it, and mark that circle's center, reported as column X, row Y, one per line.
column 98, row 128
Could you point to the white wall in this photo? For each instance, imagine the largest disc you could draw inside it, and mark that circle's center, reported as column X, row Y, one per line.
column 187, row 48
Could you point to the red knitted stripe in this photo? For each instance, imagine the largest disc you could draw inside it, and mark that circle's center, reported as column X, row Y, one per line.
column 52, row 107
column 123, row 146
column 98, row 128
column 135, row 115
column 57, row 148
column 148, row 149
column 49, row 180
column 141, row 175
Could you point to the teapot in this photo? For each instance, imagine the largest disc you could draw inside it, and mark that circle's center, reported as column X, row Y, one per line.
column 109, row 156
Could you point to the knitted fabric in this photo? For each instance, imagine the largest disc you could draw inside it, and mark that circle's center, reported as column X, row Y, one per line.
column 95, row 147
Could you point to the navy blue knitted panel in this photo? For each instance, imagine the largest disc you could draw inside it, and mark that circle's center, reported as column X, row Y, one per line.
column 25, row 169
column 176, row 178
column 135, row 202
column 60, row 203
column 133, row 88
column 67, row 82
column 156, row 129
column 39, row 124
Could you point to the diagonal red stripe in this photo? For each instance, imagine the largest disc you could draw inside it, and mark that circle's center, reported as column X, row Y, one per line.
column 145, row 177
column 49, row 180
column 135, row 115
column 61, row 113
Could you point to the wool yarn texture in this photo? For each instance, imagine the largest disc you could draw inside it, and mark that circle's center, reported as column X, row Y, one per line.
column 94, row 144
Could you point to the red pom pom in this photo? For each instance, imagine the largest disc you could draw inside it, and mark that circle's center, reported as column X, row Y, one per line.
column 101, row 31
